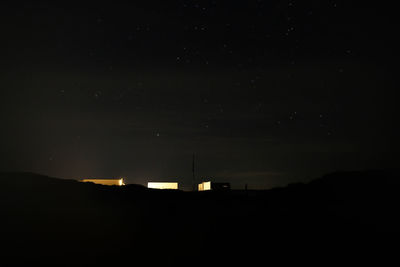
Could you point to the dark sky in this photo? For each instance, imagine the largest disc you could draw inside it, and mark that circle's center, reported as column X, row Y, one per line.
column 264, row 92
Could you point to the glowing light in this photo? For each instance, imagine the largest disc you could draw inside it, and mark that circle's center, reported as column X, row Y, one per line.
column 119, row 182
column 162, row 185
column 204, row 186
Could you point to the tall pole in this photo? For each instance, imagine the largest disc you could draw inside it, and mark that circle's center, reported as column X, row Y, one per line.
column 194, row 181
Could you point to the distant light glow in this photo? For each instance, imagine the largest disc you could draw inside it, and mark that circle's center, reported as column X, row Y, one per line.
column 119, row 182
column 162, row 185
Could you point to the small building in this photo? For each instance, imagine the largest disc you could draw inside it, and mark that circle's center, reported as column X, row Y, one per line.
column 162, row 185
column 205, row 186
column 105, row 181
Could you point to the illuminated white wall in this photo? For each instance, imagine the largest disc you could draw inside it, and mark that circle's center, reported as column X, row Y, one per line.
column 162, row 185
column 204, row 186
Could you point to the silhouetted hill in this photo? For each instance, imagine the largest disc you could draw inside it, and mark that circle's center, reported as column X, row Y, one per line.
column 67, row 223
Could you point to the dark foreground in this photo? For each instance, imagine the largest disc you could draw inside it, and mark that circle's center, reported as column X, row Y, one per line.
column 338, row 219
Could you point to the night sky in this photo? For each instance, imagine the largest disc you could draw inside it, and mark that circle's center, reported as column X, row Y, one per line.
column 263, row 92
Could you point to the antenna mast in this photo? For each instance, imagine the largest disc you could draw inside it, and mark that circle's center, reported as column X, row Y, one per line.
column 194, row 181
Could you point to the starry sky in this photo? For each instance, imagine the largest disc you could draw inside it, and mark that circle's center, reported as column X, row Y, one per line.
column 265, row 93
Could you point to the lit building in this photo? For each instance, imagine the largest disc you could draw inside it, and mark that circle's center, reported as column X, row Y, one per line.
column 162, row 185
column 105, row 181
column 205, row 186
